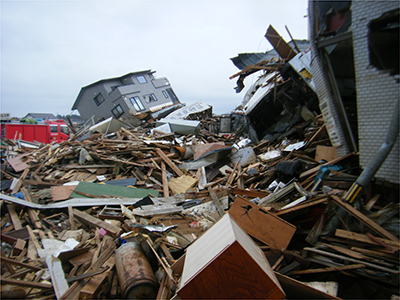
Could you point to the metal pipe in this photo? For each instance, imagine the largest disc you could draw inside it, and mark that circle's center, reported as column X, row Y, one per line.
column 135, row 276
column 369, row 172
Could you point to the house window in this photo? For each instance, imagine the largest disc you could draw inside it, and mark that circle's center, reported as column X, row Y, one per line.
column 141, row 79
column 150, row 98
column 137, row 104
column 383, row 42
column 172, row 96
column 165, row 94
column 117, row 111
column 99, row 99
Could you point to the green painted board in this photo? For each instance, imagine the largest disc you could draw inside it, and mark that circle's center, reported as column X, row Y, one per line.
column 111, row 190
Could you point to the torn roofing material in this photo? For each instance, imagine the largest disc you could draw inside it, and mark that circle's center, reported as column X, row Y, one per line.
column 247, row 59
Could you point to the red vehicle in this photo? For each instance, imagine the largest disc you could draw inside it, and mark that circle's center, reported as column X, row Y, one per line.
column 42, row 132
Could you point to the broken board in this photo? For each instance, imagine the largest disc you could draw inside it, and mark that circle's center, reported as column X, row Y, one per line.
column 181, row 184
column 111, row 190
column 258, row 223
column 325, row 153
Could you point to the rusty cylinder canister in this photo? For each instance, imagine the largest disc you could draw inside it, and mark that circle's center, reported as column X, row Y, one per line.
column 135, row 276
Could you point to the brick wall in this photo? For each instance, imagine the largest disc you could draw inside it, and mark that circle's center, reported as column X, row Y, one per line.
column 377, row 91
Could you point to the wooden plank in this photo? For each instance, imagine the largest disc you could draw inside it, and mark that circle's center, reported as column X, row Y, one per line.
column 17, row 163
column 361, row 217
column 71, row 218
column 75, row 288
column 315, row 135
column 114, row 287
column 62, row 192
column 181, row 184
column 379, row 254
column 363, row 238
column 334, row 161
column 329, row 269
column 302, row 206
column 216, row 201
column 95, row 283
column 167, row 253
column 33, row 216
column 258, row 223
column 33, row 240
column 341, row 257
column 169, row 162
column 380, row 242
column 250, row 193
column 19, row 264
column 14, row 217
column 346, row 251
column 232, row 175
column 85, row 217
column 164, row 179
column 372, row 201
column 25, row 283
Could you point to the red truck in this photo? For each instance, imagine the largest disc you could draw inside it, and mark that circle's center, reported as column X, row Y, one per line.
column 42, row 132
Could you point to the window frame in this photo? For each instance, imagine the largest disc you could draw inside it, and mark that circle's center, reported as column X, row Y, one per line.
column 140, row 78
column 148, row 96
column 96, row 100
column 116, row 108
column 137, row 103
column 165, row 94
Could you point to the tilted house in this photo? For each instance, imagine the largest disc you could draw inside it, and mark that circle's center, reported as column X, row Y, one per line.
column 134, row 93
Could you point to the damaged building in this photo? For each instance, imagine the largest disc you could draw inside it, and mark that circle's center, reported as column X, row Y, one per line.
column 283, row 96
column 136, row 93
column 355, row 64
column 262, row 204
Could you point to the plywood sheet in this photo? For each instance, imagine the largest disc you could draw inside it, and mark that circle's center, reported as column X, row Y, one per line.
column 181, row 184
column 62, row 192
column 111, row 190
column 325, row 153
column 258, row 223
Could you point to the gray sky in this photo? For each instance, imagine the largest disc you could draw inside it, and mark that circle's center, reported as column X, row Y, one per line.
column 50, row 49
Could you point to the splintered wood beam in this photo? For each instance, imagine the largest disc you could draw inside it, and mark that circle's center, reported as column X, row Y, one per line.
column 25, row 283
column 216, row 201
column 364, row 219
column 169, row 162
column 316, row 169
column 164, row 179
column 14, row 217
column 71, row 218
column 329, row 269
column 19, row 264
column 85, row 217
column 74, row 290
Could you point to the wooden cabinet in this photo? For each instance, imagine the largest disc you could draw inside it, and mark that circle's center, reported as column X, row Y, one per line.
column 225, row 263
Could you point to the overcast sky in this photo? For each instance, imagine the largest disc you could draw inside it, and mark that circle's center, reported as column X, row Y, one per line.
column 50, row 49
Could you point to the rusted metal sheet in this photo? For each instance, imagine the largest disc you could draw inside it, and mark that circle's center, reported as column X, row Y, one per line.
column 135, row 276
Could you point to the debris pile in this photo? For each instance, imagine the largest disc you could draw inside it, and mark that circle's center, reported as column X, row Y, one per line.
column 140, row 212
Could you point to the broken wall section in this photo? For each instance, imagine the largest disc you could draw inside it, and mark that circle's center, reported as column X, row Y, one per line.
column 377, row 91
